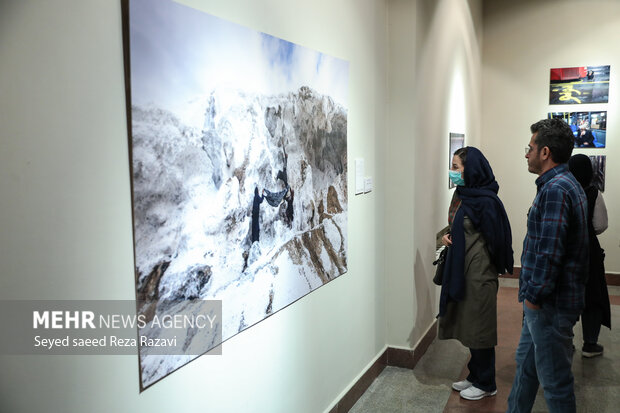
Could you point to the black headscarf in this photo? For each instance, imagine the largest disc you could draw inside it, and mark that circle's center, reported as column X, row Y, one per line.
column 479, row 201
column 581, row 166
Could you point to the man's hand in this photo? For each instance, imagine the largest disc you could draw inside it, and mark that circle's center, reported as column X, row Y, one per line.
column 531, row 306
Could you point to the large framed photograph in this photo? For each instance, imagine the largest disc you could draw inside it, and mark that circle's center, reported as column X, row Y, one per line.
column 457, row 141
column 576, row 85
column 238, row 156
column 589, row 128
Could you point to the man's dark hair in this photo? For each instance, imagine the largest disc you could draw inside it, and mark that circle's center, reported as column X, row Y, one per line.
column 557, row 136
column 462, row 153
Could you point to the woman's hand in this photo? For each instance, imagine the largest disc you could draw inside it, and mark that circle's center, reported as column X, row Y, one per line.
column 446, row 240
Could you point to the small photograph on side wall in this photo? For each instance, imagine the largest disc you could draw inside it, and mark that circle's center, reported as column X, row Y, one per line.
column 577, row 85
column 589, row 128
column 598, row 167
column 457, row 141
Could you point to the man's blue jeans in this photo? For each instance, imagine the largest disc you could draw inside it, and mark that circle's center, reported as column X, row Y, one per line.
column 545, row 356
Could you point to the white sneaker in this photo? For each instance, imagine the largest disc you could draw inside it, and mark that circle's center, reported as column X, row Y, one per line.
column 461, row 385
column 474, row 393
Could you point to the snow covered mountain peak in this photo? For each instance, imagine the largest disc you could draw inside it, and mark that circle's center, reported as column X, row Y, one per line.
column 194, row 194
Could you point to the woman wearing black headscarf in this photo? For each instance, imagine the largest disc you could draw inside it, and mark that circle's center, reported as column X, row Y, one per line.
column 597, row 311
column 480, row 242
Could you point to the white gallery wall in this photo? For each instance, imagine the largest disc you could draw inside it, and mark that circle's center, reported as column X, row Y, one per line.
column 522, row 41
column 65, row 213
column 434, row 89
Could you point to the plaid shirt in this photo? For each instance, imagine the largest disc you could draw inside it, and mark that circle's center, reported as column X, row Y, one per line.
column 555, row 250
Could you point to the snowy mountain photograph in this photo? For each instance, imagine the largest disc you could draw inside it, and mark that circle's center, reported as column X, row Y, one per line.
column 238, row 165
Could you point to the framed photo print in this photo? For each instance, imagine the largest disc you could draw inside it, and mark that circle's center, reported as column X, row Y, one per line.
column 457, row 141
column 577, row 85
column 238, row 157
column 589, row 128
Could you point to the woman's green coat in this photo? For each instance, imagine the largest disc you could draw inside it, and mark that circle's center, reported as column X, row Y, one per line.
column 473, row 321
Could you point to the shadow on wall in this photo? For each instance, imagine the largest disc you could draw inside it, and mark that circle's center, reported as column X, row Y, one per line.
column 424, row 302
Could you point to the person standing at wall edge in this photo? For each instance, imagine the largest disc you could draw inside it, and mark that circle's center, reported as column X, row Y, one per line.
column 553, row 273
column 597, row 310
column 480, row 247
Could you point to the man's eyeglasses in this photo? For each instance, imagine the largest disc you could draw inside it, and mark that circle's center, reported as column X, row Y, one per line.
column 528, row 149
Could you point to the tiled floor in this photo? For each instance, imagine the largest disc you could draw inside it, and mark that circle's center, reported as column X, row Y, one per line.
column 427, row 387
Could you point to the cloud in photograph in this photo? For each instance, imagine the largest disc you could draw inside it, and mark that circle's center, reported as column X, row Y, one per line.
column 179, row 54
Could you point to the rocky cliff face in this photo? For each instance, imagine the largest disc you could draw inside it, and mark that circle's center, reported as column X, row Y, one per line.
column 193, row 190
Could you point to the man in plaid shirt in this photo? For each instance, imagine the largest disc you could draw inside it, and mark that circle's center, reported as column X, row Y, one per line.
column 553, row 273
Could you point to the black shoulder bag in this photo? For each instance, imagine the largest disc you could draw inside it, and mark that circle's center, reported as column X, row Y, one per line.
column 440, row 263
